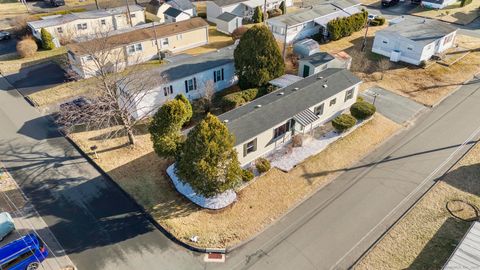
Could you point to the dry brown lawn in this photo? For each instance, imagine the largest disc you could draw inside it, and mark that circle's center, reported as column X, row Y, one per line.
column 453, row 13
column 216, row 40
column 63, row 92
column 142, row 174
column 428, row 234
column 428, row 86
column 10, row 10
column 11, row 63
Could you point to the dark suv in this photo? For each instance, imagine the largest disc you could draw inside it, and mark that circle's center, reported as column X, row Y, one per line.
column 389, row 3
column 57, row 3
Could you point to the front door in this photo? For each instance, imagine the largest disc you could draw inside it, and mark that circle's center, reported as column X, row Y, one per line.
column 306, row 71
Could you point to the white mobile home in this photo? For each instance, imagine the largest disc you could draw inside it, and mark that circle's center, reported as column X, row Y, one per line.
column 270, row 121
column 240, row 8
column 414, row 40
column 310, row 21
column 134, row 47
column 89, row 24
column 188, row 76
column 172, row 10
column 437, row 4
column 320, row 61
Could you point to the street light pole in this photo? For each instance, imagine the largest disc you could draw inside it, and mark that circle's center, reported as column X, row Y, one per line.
column 375, row 95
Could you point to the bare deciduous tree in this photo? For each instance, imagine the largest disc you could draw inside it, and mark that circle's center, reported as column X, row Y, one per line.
column 383, row 65
column 360, row 62
column 123, row 97
column 208, row 95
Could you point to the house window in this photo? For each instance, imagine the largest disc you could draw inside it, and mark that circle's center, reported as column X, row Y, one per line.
column 103, row 22
column 167, row 90
column 333, row 101
column 319, row 109
column 165, row 41
column 131, row 49
column 132, row 15
column 179, row 37
column 190, row 85
column 250, row 147
column 279, row 131
column 218, row 75
column 349, row 94
column 410, row 48
column 59, row 30
column 81, row 26
column 88, row 58
column 385, row 42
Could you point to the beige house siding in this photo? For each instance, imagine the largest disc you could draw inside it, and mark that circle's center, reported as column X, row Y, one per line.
column 176, row 43
column 265, row 143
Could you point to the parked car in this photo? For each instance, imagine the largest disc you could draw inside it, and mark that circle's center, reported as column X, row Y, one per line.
column 57, row 3
column 26, row 253
column 4, row 35
column 372, row 16
column 6, row 224
column 389, row 3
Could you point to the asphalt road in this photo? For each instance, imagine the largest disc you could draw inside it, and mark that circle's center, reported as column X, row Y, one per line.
column 97, row 225
column 8, row 46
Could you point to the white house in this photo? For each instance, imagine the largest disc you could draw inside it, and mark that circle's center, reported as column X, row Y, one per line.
column 414, row 40
column 188, row 76
column 64, row 28
column 310, row 21
column 271, row 120
column 240, row 8
column 437, row 4
column 172, row 10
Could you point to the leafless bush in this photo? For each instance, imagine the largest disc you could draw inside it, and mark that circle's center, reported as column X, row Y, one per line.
column 19, row 24
column 297, row 140
column 238, row 33
column 27, row 47
column 360, row 62
column 383, row 65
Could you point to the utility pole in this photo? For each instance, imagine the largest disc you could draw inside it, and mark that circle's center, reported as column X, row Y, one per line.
column 156, row 42
column 264, row 12
column 96, row 3
column 285, row 42
column 364, row 43
column 129, row 18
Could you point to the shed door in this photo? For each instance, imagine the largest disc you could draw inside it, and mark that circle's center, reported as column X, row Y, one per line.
column 306, row 71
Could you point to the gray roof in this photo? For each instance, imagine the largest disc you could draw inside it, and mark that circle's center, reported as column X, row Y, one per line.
column 306, row 117
column 318, row 59
column 187, row 66
column 223, row 3
column 94, row 14
column 180, row 4
column 434, row 1
column 420, row 30
column 173, row 12
column 249, row 120
column 309, row 14
column 226, row 17
column 467, row 253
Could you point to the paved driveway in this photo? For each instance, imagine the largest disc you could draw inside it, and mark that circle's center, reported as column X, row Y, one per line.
column 395, row 107
column 38, row 77
column 8, row 46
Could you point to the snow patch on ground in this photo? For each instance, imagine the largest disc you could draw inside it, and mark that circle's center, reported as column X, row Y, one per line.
column 286, row 159
column 216, row 202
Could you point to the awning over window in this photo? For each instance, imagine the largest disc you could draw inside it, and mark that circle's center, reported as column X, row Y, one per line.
column 305, row 117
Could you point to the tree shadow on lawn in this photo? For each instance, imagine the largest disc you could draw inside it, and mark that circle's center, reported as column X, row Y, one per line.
column 146, row 180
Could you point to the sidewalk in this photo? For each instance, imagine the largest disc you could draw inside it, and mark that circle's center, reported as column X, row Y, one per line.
column 27, row 220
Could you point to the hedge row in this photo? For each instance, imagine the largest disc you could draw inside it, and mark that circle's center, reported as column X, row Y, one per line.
column 233, row 100
column 362, row 110
column 345, row 26
column 465, row 2
column 378, row 21
column 343, row 122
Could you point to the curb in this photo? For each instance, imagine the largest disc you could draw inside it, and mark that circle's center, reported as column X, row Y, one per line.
column 142, row 210
column 409, row 209
column 453, row 91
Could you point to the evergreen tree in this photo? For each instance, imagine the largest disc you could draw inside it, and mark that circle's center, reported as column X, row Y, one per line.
column 257, row 58
column 258, row 15
column 283, row 7
column 188, row 107
column 208, row 162
column 165, row 128
column 47, row 39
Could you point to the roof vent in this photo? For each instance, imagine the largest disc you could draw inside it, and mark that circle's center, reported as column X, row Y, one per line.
column 281, row 93
column 258, row 106
column 325, row 86
column 225, row 121
column 319, row 77
column 295, row 89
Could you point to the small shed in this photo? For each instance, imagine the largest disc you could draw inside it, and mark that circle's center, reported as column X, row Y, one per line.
column 320, row 61
column 285, row 80
column 228, row 22
column 306, row 47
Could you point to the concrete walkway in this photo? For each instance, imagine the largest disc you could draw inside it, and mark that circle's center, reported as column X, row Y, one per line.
column 397, row 108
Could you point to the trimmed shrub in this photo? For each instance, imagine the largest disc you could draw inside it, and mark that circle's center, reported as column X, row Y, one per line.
column 423, row 64
column 378, row 21
column 345, row 26
column 262, row 165
column 258, row 15
column 47, row 40
column 247, row 176
column 27, row 47
column 238, row 33
column 343, row 122
column 362, row 110
column 359, row 98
